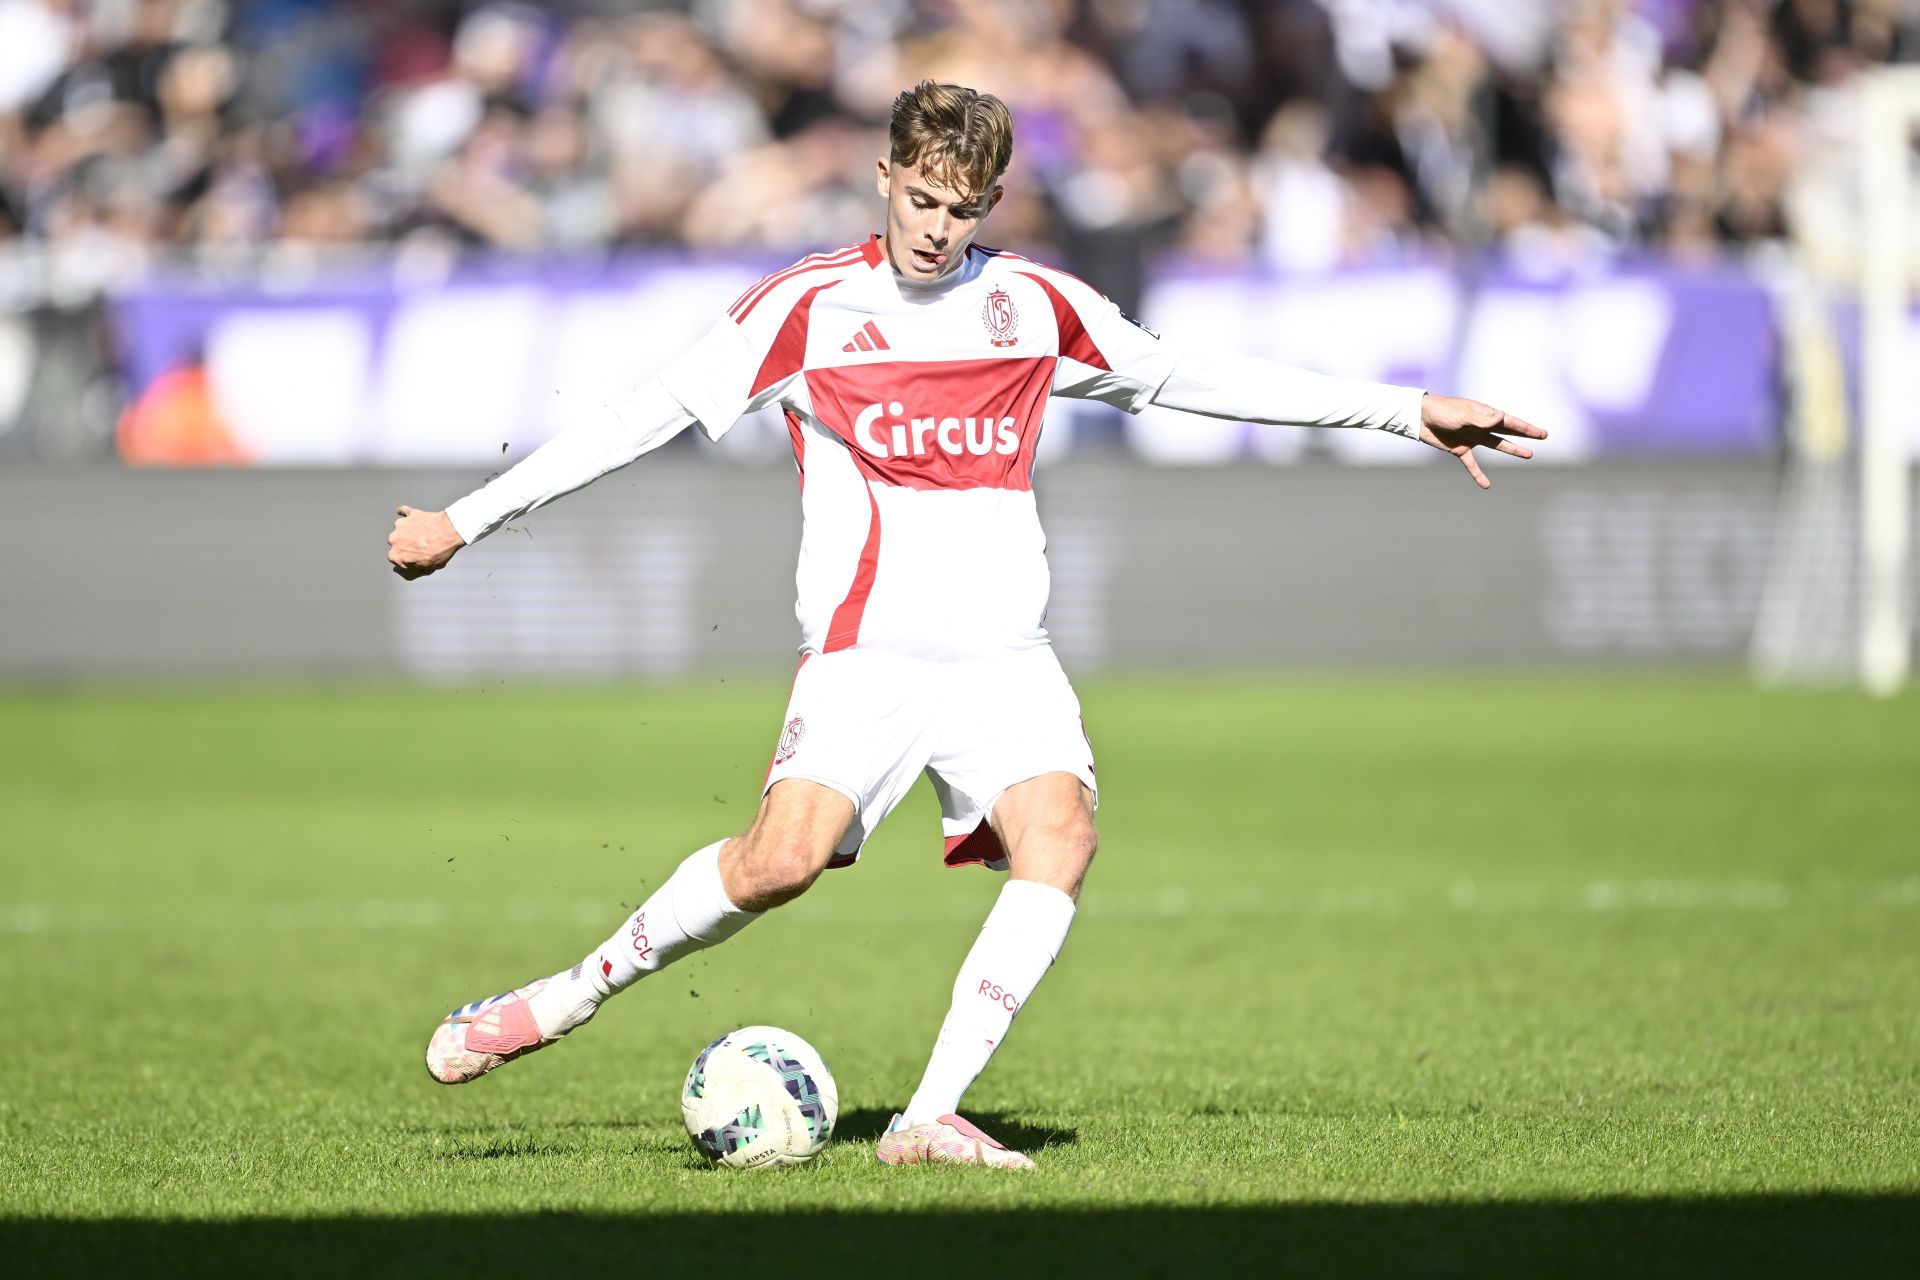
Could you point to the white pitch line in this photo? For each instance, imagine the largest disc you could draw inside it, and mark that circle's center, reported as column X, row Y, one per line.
column 1466, row 897
column 1900, row 893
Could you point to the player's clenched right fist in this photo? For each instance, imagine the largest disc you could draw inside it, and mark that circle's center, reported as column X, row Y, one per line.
column 421, row 542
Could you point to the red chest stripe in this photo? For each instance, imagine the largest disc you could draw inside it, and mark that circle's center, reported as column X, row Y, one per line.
column 947, row 424
column 789, row 350
column 1075, row 344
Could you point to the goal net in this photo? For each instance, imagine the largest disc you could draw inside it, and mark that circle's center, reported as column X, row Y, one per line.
column 1838, row 602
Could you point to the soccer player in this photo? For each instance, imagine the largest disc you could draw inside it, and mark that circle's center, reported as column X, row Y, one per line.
column 914, row 370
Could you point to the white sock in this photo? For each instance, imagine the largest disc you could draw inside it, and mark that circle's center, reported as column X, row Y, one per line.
column 689, row 913
column 1018, row 943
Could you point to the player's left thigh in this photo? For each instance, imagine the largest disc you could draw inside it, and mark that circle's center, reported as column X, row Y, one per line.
column 1046, row 826
column 1013, row 767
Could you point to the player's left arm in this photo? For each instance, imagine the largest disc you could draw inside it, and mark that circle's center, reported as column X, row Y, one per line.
column 1106, row 355
column 1249, row 389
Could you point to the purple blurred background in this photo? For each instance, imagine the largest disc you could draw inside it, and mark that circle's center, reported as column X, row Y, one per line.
column 1577, row 207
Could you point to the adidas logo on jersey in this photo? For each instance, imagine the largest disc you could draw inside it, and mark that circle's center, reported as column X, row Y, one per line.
column 911, row 437
column 868, row 339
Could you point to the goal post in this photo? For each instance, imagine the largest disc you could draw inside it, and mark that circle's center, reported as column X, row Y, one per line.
column 1890, row 107
column 1837, row 606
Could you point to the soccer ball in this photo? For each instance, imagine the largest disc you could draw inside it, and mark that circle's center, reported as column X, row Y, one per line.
column 758, row 1098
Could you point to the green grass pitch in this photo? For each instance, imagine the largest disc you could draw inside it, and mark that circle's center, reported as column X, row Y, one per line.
column 1434, row 976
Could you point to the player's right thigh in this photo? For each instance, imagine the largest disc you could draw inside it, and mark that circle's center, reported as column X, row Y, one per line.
column 859, row 723
column 794, row 834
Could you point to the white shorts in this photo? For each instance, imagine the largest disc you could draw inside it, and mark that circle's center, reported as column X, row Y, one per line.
column 866, row 723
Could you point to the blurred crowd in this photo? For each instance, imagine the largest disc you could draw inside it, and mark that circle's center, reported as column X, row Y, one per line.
column 1301, row 134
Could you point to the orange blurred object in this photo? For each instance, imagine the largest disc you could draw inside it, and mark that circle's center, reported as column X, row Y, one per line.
column 175, row 423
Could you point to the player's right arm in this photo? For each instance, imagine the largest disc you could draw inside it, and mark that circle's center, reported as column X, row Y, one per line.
column 604, row 438
column 713, row 384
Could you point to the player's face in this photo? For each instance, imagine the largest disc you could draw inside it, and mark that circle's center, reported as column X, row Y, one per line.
column 929, row 225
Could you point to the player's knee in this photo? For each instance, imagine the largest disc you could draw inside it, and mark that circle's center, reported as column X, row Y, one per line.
column 1079, row 842
column 774, row 871
column 1059, row 854
column 792, row 867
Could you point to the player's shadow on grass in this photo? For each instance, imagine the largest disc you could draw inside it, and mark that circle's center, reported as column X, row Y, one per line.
column 1745, row 1236
column 866, row 1124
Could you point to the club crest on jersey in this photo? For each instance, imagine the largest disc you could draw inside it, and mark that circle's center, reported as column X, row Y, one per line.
column 1002, row 321
column 790, row 740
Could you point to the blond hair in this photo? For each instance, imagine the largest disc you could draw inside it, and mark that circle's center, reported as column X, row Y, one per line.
column 958, row 137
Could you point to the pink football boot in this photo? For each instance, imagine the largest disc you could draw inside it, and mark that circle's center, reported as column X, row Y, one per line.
column 948, row 1140
column 476, row 1038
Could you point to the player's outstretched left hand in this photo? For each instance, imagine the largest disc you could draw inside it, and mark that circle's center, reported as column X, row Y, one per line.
column 1460, row 426
column 421, row 542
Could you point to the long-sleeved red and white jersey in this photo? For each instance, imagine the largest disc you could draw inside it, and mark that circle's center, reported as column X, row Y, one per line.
column 915, row 411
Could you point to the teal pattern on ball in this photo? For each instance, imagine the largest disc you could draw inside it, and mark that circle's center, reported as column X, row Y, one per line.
column 697, row 1078
column 800, row 1086
column 724, row 1139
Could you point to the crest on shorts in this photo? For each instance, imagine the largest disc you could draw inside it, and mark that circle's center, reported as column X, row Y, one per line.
column 1002, row 321
column 790, row 740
